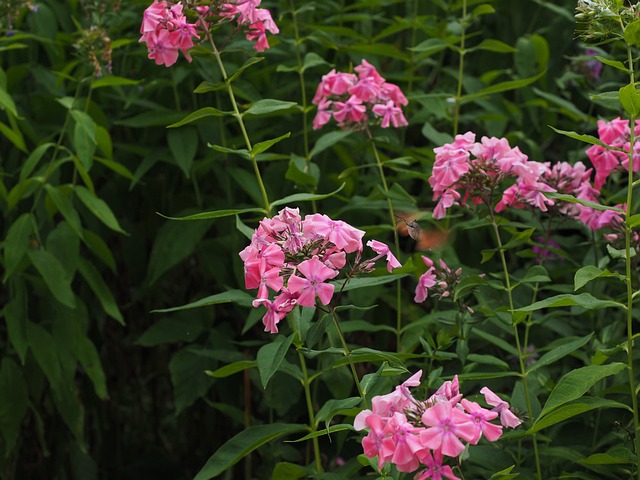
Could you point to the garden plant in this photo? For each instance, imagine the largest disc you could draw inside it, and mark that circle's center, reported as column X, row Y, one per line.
column 255, row 239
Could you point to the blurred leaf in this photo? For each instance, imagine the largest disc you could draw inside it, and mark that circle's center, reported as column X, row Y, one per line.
column 62, row 200
column 99, row 248
column 17, row 243
column 559, row 352
column 170, row 330
column 54, row 276
column 232, row 296
column 267, row 106
column 100, row 288
column 242, row 444
column 232, row 368
column 84, row 137
column 112, row 81
column 215, row 214
column 14, row 401
column 183, row 144
column 32, row 161
column 613, row 63
column 15, row 315
column 500, row 87
column 584, row 300
column 249, row 62
column 200, row 114
column 304, row 197
column 333, row 406
column 328, row 140
column 189, row 381
column 270, row 357
column 492, row 45
column 571, row 409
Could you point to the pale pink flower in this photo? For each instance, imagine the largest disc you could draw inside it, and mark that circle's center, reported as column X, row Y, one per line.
column 507, row 418
column 448, row 426
column 382, row 249
column 390, row 114
column 435, row 470
column 426, row 281
column 403, row 439
column 480, row 418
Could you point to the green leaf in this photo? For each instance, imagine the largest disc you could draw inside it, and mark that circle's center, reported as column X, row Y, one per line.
column 249, row 62
column 54, row 276
column 576, row 383
column 170, row 330
column 571, row 199
column 232, row 368
column 304, row 197
column 183, row 144
column 430, row 46
column 189, row 381
column 584, row 300
column 589, row 273
column 63, row 201
column 17, row 243
column 113, row 81
column 326, row 431
column 629, row 97
column 267, row 106
column 98, row 246
column 289, row 471
column 367, row 282
column 270, row 357
column 333, row 406
column 216, row 214
column 14, row 401
column 632, row 33
column 612, row 63
column 84, row 137
column 15, row 315
column 501, row 87
column 100, row 288
column 560, row 352
column 232, row 296
column 590, row 139
column 32, row 161
column 493, row 46
column 242, row 444
column 311, row 60
column 572, row 409
column 266, row 145
column 86, row 353
column 199, row 114
column 484, row 9
column 7, row 103
column 328, row 140
column 99, row 208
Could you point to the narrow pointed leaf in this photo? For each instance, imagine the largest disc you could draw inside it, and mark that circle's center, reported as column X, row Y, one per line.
column 304, row 197
column 232, row 296
column 100, row 288
column 270, row 357
column 199, row 114
column 584, row 300
column 560, row 352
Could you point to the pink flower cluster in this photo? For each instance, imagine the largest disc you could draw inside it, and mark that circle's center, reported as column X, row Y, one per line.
column 417, row 435
column 441, row 282
column 296, row 257
column 353, row 100
column 615, row 134
column 166, row 31
column 466, row 170
column 255, row 21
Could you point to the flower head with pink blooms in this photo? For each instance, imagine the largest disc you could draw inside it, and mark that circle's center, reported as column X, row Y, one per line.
column 354, row 100
column 295, row 258
column 417, row 436
column 166, row 30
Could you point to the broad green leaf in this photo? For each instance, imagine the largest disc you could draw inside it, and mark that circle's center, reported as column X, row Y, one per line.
column 379, row 49
column 54, row 276
column 206, row 87
column 14, row 401
column 484, row 359
column 116, row 167
column 242, row 152
column 270, row 357
column 632, row 33
column 105, row 145
column 171, row 330
column 572, row 409
column 483, row 9
column 370, row 380
column 630, row 99
column 99, row 208
column 63, row 201
column 199, row 114
column 189, row 381
column 328, row 140
column 492, row 45
column 430, row 46
column 560, row 352
column 84, row 137
column 113, row 81
column 216, row 214
column 17, row 243
column 267, row 144
column 98, row 246
column 32, row 161
column 519, row 238
column 14, row 135
column 613, row 63
column 249, row 62
column 311, row 60
column 497, row 341
column 267, row 106
column 174, row 242
column 536, row 274
column 232, row 368
column 333, row 406
column 576, row 383
column 501, row 87
column 232, row 296
column 183, row 144
column 86, row 353
column 7, row 103
column 317, row 330
column 64, row 244
column 591, row 272
column 505, row 474
column 15, row 315
column 289, row 471
column 304, row 197
column 565, row 106
column 100, row 288
column 633, row 220
column 584, row 300
column 242, row 444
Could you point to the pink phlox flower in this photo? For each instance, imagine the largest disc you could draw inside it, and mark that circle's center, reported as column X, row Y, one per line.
column 367, row 89
column 449, row 392
column 449, row 198
column 451, row 164
column 366, row 70
column 269, row 277
column 390, row 91
column 276, row 309
column 335, row 259
column 403, row 439
column 390, row 114
column 350, row 111
column 340, row 233
column 153, row 16
column 507, row 418
column 382, row 249
column 312, row 285
column 604, row 161
column 448, row 426
column 597, row 219
column 246, row 11
column 615, row 132
column 435, row 470
column 374, row 443
column 333, row 83
column 323, row 115
column 160, row 47
column 425, row 282
column 258, row 34
column 481, row 419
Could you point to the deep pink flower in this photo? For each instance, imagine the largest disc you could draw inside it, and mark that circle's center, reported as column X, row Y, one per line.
column 382, row 249
column 507, row 418
column 390, row 114
column 448, row 426
column 481, row 420
column 403, row 439
column 435, row 470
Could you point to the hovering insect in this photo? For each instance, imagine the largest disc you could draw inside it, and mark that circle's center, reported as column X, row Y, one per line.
column 426, row 239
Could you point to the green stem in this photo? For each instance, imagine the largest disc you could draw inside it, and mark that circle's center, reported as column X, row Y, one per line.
column 521, row 350
column 628, row 278
column 392, row 218
column 303, row 88
column 238, row 116
column 456, row 108
column 347, row 353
